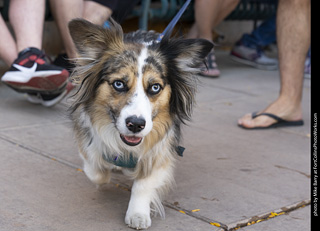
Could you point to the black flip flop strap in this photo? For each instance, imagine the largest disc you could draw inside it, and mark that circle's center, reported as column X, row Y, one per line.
column 211, row 61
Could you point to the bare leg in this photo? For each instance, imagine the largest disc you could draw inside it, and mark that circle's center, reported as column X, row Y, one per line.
column 96, row 13
column 8, row 49
column 64, row 11
column 227, row 6
column 193, row 32
column 293, row 36
column 209, row 14
column 27, row 18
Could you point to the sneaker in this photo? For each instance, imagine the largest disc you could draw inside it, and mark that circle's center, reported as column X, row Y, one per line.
column 32, row 73
column 63, row 61
column 253, row 57
column 49, row 100
column 211, row 70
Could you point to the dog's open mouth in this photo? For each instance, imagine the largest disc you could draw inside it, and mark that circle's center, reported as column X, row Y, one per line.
column 131, row 140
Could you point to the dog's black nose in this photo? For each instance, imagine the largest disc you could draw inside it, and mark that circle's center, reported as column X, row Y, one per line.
column 135, row 124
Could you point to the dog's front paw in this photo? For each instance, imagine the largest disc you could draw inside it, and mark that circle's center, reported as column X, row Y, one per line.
column 97, row 176
column 138, row 220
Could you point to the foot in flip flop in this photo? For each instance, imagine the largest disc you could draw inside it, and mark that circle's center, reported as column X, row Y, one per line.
column 211, row 68
column 277, row 121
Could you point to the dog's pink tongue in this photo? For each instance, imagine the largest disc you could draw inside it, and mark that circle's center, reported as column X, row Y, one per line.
column 133, row 139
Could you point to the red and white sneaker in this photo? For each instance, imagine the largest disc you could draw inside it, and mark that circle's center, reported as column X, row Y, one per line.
column 32, row 73
column 49, row 100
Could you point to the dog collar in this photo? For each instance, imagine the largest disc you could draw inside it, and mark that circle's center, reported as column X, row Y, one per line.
column 180, row 150
column 121, row 161
column 132, row 161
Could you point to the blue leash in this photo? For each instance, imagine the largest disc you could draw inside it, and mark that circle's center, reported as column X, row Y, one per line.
column 174, row 21
column 171, row 25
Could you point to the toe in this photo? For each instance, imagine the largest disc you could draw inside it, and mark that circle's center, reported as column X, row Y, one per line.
column 246, row 121
column 261, row 121
column 138, row 221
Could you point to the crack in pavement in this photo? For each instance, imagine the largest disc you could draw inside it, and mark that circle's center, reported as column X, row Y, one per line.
column 269, row 215
column 231, row 227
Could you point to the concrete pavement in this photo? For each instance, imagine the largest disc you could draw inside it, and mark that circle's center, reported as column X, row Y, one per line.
column 228, row 179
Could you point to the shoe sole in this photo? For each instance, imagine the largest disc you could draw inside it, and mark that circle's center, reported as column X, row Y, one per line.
column 54, row 101
column 209, row 76
column 253, row 64
column 48, row 103
column 213, row 74
column 40, row 84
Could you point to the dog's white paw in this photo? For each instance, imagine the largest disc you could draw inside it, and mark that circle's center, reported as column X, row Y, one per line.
column 96, row 176
column 138, row 220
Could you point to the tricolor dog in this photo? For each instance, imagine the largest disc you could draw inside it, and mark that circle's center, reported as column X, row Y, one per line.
column 134, row 94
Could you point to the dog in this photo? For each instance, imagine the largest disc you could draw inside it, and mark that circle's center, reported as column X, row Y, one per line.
column 134, row 94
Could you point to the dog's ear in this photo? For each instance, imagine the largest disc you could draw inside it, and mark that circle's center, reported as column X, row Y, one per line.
column 92, row 41
column 190, row 53
column 184, row 60
column 187, row 54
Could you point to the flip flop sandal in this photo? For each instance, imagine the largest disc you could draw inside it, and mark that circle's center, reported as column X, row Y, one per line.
column 212, row 69
column 280, row 122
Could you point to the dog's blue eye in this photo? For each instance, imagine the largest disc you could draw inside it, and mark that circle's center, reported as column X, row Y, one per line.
column 119, row 85
column 155, row 89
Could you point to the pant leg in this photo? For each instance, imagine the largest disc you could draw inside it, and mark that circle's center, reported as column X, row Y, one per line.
column 263, row 35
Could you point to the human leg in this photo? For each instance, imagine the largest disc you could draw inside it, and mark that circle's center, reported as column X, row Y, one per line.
column 208, row 15
column 263, row 35
column 30, row 71
column 8, row 49
column 27, row 18
column 97, row 13
column 293, row 36
column 64, row 11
